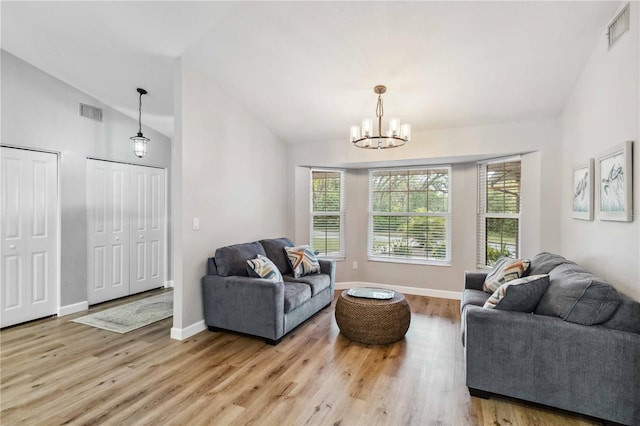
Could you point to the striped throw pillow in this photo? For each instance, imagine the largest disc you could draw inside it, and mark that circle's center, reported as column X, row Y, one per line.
column 505, row 269
column 263, row 267
column 303, row 261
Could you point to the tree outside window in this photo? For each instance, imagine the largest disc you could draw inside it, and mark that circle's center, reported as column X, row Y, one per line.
column 409, row 214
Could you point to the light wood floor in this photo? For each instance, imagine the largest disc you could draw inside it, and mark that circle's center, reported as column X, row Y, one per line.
column 57, row 372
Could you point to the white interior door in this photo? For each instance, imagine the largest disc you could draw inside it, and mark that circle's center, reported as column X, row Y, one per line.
column 107, row 230
column 29, row 249
column 148, row 227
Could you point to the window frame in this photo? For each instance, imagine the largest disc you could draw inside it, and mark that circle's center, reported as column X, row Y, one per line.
column 447, row 215
column 482, row 214
column 341, row 255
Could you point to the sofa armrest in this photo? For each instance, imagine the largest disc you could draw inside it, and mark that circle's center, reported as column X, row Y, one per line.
column 474, row 280
column 328, row 266
column 587, row 369
column 245, row 304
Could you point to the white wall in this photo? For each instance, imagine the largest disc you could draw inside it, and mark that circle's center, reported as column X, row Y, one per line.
column 537, row 140
column 41, row 112
column 232, row 174
column 604, row 111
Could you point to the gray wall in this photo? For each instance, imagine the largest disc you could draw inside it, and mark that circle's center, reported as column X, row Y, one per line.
column 604, row 111
column 230, row 173
column 41, row 112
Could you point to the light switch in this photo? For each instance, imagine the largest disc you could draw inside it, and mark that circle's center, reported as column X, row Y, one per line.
column 196, row 223
column 355, row 265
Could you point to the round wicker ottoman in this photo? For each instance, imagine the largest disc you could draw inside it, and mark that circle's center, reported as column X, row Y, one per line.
column 373, row 321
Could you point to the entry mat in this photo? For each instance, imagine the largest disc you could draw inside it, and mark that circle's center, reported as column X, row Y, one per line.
column 125, row 318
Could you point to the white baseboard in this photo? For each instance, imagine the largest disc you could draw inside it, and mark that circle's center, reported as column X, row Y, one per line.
column 168, row 284
column 443, row 294
column 72, row 309
column 185, row 333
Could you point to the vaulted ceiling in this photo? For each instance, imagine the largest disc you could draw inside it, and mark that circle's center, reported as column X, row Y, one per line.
column 307, row 69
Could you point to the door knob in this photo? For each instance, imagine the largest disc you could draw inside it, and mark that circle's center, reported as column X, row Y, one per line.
column 141, row 237
column 117, row 238
column 12, row 246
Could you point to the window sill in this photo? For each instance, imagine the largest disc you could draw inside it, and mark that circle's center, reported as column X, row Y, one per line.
column 336, row 258
column 410, row 261
column 484, row 268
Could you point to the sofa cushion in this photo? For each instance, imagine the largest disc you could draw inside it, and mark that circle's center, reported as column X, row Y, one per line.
column 473, row 297
column 275, row 251
column 544, row 262
column 521, row 295
column 295, row 294
column 317, row 282
column 232, row 260
column 302, row 260
column 263, row 267
column 505, row 269
column 578, row 296
column 626, row 317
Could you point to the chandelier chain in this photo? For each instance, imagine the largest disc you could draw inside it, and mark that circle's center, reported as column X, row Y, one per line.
column 379, row 107
column 379, row 114
column 140, row 114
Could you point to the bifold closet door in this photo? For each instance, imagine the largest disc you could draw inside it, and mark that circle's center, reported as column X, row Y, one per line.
column 108, row 230
column 29, row 249
column 148, row 227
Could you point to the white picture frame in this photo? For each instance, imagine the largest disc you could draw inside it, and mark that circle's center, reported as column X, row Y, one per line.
column 615, row 178
column 583, row 192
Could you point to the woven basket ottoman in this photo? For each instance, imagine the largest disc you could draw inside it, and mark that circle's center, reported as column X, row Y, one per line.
column 373, row 321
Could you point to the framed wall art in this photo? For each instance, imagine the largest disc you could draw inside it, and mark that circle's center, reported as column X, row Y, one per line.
column 582, row 207
column 615, row 177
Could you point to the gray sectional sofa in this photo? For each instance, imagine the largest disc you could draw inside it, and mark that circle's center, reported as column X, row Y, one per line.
column 235, row 301
column 579, row 350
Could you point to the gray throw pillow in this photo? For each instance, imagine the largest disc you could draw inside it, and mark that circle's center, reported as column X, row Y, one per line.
column 578, row 296
column 521, row 295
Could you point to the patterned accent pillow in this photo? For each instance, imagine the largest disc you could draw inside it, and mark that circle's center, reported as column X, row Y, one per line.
column 521, row 294
column 505, row 269
column 303, row 261
column 263, row 267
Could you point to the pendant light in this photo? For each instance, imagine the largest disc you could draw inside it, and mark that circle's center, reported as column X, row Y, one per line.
column 139, row 141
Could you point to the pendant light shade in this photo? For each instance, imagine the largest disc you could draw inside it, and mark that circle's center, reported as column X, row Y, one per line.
column 139, row 145
column 139, row 141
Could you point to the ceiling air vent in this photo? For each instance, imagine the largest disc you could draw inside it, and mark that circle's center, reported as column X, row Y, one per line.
column 91, row 112
column 619, row 26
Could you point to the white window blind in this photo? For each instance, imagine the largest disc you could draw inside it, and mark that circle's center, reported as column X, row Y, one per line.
column 327, row 212
column 498, row 210
column 410, row 214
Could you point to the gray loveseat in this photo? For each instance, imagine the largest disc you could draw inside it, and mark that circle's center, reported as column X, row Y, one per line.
column 578, row 351
column 235, row 301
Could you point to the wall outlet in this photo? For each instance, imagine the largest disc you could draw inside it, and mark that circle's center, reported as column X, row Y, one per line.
column 355, row 265
column 196, row 223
